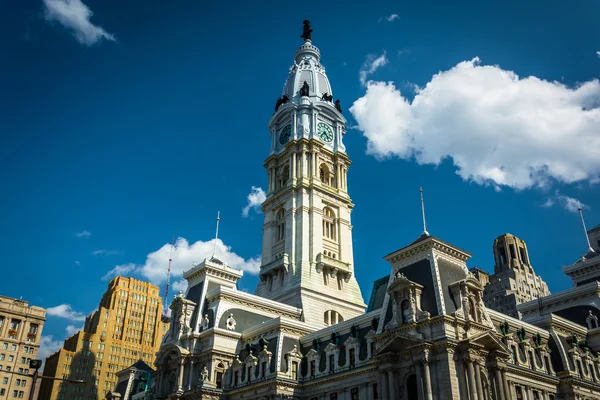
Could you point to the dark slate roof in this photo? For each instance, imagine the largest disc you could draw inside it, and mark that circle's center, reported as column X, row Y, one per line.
column 424, row 237
column 420, row 272
column 194, row 294
column 597, row 227
column 449, row 273
column 378, row 293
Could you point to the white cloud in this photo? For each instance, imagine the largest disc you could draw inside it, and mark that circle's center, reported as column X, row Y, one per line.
column 106, row 252
column 72, row 329
column 119, row 270
column 65, row 311
column 83, row 234
column 255, row 199
column 77, row 262
column 598, row 54
column 371, row 64
column 390, row 18
column 179, row 286
column 184, row 256
column 568, row 203
column 75, row 16
column 497, row 128
column 48, row 346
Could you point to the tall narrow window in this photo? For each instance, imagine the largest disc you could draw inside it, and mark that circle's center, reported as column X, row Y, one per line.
column 352, row 356
column 295, row 370
column 263, row 369
column 331, row 363
column 329, row 230
column 219, row 379
column 313, row 368
column 280, row 221
column 405, row 306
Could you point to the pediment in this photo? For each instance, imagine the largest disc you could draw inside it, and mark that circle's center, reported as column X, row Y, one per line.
column 331, row 347
column 312, row 353
column 400, row 342
column 490, row 342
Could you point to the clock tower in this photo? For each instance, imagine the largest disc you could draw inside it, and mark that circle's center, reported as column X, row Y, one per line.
column 307, row 258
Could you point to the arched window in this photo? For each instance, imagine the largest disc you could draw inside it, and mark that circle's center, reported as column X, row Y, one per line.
column 332, row 317
column 329, row 230
column 280, row 221
column 405, row 306
column 325, row 175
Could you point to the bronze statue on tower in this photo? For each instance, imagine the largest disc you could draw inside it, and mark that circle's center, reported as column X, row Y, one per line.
column 306, row 32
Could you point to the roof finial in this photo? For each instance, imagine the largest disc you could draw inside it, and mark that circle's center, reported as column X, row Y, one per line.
column 423, row 212
column 216, row 234
column 306, row 31
column 584, row 228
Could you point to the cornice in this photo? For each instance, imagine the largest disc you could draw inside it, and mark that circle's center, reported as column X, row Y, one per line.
column 254, row 302
column 591, row 289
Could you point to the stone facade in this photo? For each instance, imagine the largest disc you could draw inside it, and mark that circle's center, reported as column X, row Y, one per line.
column 20, row 332
column 425, row 335
column 514, row 281
column 126, row 327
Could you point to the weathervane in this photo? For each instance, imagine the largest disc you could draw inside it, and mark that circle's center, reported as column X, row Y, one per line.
column 423, row 212
column 216, row 234
column 584, row 228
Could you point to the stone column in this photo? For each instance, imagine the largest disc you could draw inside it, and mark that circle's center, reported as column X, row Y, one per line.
column 191, row 375
column 180, row 376
column 419, row 381
column 499, row 385
column 478, row 381
column 391, row 385
column 471, row 371
column 382, row 385
column 462, row 382
column 507, row 392
column 427, row 382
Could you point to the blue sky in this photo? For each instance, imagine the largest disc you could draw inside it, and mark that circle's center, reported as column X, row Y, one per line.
column 124, row 123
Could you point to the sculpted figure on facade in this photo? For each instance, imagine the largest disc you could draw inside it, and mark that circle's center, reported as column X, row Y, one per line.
column 591, row 320
column 305, row 89
column 205, row 322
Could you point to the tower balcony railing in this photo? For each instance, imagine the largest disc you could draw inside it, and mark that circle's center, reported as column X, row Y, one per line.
column 280, row 265
column 333, row 266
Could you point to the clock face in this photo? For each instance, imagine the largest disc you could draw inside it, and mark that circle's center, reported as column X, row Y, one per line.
column 325, row 132
column 285, row 134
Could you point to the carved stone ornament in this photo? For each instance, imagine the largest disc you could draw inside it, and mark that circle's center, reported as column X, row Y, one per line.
column 231, row 323
column 205, row 322
column 204, row 374
column 181, row 315
column 591, row 320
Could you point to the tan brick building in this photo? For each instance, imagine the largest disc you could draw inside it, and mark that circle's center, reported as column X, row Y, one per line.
column 20, row 332
column 125, row 328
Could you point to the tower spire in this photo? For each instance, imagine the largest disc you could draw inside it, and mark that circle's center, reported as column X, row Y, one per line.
column 216, row 235
column 584, row 228
column 423, row 212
